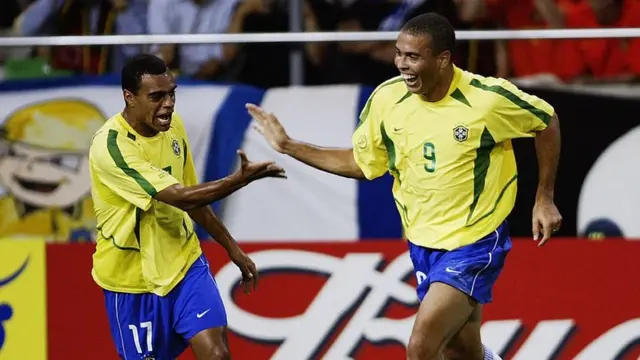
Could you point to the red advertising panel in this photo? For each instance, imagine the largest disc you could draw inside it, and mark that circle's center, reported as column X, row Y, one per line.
column 572, row 299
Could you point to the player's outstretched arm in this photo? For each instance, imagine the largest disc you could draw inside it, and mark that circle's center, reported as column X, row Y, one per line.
column 192, row 197
column 332, row 160
column 546, row 217
column 335, row 161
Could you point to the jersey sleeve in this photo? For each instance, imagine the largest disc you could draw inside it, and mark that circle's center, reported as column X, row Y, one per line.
column 369, row 151
column 190, row 176
column 515, row 114
column 120, row 166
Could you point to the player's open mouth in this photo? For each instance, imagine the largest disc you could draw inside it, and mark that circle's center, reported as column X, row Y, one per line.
column 410, row 79
column 39, row 186
column 164, row 119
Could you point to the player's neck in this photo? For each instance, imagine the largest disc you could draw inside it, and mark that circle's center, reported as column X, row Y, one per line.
column 442, row 87
column 138, row 124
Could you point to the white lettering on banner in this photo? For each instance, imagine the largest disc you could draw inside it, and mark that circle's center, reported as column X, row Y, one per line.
column 355, row 282
column 546, row 339
column 549, row 337
column 613, row 343
column 349, row 279
column 366, row 323
column 499, row 335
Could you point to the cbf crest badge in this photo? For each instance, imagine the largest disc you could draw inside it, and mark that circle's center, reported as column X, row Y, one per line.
column 176, row 147
column 460, row 133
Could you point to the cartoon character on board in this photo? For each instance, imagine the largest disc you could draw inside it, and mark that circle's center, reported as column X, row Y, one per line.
column 44, row 169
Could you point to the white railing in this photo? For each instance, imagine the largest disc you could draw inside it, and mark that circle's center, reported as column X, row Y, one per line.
column 296, row 64
column 301, row 37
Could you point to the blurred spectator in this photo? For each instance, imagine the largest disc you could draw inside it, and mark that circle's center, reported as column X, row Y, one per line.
column 478, row 56
column 262, row 64
column 367, row 63
column 267, row 65
column 10, row 10
column 202, row 61
column 521, row 58
column 607, row 59
column 84, row 17
column 372, row 62
column 402, row 13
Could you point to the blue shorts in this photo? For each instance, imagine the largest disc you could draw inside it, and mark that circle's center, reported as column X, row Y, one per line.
column 159, row 327
column 472, row 269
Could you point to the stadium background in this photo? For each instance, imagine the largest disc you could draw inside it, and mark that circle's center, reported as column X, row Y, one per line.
column 337, row 282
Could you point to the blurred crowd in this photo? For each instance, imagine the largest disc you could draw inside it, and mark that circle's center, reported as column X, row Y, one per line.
column 267, row 65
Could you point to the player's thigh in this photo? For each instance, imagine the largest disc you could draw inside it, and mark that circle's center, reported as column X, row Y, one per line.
column 200, row 316
column 211, row 344
column 141, row 326
column 472, row 269
column 442, row 313
column 454, row 283
column 466, row 344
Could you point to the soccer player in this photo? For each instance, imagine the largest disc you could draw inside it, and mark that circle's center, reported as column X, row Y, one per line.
column 445, row 136
column 159, row 292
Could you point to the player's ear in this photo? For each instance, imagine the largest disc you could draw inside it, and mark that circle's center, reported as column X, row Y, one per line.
column 129, row 98
column 444, row 59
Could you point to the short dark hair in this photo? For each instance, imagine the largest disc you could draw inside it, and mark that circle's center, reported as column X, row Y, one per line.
column 137, row 67
column 442, row 33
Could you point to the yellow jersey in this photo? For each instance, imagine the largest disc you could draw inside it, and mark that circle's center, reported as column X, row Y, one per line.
column 452, row 161
column 143, row 245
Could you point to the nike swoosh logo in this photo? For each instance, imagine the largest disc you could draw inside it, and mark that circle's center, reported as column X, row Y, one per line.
column 199, row 315
column 397, row 129
column 450, row 270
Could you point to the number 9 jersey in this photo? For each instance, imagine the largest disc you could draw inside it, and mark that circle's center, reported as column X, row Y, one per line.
column 455, row 175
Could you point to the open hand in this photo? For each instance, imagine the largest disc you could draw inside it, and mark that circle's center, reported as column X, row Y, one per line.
column 270, row 127
column 248, row 269
column 254, row 171
column 546, row 220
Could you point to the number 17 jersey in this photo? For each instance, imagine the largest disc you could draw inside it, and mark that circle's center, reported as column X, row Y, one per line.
column 452, row 161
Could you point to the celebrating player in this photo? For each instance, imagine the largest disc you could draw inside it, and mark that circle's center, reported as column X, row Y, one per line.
column 444, row 134
column 159, row 292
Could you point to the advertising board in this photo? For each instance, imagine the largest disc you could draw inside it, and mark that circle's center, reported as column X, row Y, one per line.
column 572, row 299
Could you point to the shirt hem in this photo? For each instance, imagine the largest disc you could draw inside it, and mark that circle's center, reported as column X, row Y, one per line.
column 160, row 291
